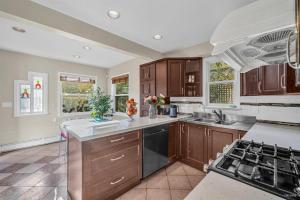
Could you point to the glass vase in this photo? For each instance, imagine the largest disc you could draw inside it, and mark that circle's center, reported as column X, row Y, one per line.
column 152, row 112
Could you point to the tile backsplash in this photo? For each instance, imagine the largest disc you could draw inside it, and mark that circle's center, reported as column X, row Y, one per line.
column 271, row 108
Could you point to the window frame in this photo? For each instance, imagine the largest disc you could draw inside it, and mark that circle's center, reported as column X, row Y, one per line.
column 60, row 96
column 114, row 95
column 29, row 81
column 236, row 85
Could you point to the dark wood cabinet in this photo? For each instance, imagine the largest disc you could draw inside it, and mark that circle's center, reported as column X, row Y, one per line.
column 147, row 86
column 147, row 72
column 175, row 78
column 172, row 145
column 161, row 78
column 271, row 80
column 104, row 168
column 194, row 145
column 292, row 85
column 193, row 78
column 249, row 81
column 218, row 138
column 200, row 143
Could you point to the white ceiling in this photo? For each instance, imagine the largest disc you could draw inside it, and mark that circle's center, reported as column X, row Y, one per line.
column 183, row 23
column 47, row 43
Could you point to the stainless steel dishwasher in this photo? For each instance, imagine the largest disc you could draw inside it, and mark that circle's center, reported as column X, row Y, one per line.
column 155, row 148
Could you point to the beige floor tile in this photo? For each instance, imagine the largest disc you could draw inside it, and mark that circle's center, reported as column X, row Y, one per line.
column 31, row 180
column 31, row 168
column 158, row 182
column 142, row 185
column 179, row 194
column 158, row 194
column 61, row 170
column 194, row 180
column 179, row 183
column 2, row 188
column 134, row 194
column 192, row 171
column 176, row 170
column 3, row 175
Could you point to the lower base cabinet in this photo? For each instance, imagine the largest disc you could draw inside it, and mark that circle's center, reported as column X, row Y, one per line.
column 202, row 143
column 104, row 168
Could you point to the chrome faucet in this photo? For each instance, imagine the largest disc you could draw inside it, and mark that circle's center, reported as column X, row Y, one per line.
column 221, row 117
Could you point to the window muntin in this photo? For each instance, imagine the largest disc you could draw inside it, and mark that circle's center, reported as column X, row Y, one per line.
column 75, row 91
column 221, row 84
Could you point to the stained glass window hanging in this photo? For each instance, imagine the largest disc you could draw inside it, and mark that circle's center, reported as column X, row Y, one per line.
column 38, row 94
column 25, row 102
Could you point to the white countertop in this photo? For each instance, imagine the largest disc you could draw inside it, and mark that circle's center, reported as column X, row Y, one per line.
column 84, row 129
column 219, row 187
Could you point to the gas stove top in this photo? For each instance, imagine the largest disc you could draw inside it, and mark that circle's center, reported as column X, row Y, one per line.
column 267, row 167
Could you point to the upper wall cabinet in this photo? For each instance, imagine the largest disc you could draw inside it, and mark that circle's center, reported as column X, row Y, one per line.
column 176, row 78
column 147, row 72
column 193, row 78
column 269, row 80
column 249, row 83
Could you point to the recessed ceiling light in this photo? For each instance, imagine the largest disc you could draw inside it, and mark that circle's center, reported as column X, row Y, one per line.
column 113, row 14
column 76, row 56
column 20, row 30
column 157, row 37
column 87, row 48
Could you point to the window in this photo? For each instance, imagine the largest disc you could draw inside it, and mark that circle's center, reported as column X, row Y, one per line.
column 222, row 84
column 120, row 92
column 31, row 97
column 74, row 93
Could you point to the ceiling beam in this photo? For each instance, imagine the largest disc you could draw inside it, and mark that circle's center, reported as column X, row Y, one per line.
column 36, row 14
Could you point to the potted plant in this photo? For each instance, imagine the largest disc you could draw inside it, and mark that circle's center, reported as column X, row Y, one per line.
column 99, row 104
column 154, row 101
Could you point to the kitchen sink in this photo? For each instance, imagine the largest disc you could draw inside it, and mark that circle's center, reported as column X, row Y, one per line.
column 213, row 121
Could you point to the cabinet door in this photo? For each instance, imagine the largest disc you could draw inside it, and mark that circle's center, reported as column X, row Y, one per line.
column 218, row 138
column 271, row 80
column 172, row 136
column 195, row 145
column 193, row 78
column 249, row 81
column 147, row 72
column 292, row 84
column 161, row 77
column 175, row 78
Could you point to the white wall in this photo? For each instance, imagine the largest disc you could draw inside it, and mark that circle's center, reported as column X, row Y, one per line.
column 131, row 67
column 15, row 66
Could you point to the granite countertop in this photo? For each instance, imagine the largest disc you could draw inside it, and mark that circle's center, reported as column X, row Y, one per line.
column 216, row 186
column 85, row 129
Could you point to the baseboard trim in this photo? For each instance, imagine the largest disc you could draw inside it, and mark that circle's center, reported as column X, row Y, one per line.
column 26, row 144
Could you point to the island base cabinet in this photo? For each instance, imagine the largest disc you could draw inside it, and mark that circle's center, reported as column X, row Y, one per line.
column 104, row 168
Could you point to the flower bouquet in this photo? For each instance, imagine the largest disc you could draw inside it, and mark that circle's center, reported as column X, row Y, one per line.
column 154, row 101
column 131, row 108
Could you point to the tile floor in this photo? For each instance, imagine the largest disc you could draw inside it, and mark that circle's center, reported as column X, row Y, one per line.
column 39, row 173
column 34, row 173
column 172, row 183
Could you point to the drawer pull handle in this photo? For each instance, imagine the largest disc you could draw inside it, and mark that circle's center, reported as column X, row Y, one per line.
column 118, row 158
column 117, row 140
column 118, row 181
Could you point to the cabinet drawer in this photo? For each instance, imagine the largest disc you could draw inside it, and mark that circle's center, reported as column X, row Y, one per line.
column 110, row 141
column 99, row 168
column 121, row 179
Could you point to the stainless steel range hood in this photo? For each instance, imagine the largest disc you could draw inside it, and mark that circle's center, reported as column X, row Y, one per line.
column 257, row 34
